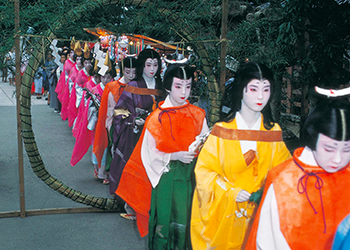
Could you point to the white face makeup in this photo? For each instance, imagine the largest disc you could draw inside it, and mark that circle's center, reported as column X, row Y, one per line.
column 256, row 95
column 78, row 61
column 180, row 91
column 330, row 154
column 87, row 65
column 151, row 67
column 71, row 54
column 106, row 78
column 129, row 74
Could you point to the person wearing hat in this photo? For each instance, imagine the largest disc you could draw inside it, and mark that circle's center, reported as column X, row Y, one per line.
column 87, row 118
column 77, row 57
column 82, row 78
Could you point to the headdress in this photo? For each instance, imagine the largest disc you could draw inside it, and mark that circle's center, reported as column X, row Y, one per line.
column 96, row 67
column 108, row 62
column 333, row 92
column 183, row 61
column 72, row 43
column 87, row 54
column 77, row 49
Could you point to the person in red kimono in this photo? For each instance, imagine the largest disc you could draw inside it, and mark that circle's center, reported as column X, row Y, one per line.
column 306, row 197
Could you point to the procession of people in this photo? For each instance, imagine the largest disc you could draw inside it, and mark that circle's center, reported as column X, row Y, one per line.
column 233, row 185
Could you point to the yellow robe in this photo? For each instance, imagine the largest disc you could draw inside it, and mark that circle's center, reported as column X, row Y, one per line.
column 218, row 221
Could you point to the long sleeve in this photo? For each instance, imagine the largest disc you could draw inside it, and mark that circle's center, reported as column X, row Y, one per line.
column 269, row 235
column 154, row 161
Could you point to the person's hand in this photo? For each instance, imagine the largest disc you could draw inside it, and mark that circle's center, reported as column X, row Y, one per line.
column 243, row 196
column 183, row 156
column 139, row 121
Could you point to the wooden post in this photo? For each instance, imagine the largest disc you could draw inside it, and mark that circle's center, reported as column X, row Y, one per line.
column 18, row 107
column 223, row 45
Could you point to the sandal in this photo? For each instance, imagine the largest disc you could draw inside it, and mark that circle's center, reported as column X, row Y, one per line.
column 128, row 216
column 105, row 181
column 95, row 173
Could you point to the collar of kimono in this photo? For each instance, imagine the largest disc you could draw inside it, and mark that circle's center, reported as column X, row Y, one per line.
column 169, row 110
column 144, row 91
column 246, row 135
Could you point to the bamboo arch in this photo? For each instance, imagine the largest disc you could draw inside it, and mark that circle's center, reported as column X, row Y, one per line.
column 37, row 164
column 31, row 148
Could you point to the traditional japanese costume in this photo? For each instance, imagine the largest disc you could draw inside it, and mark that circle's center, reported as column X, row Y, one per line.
column 231, row 160
column 301, row 207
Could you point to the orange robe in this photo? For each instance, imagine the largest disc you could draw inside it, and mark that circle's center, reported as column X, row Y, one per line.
column 134, row 186
column 101, row 134
column 296, row 195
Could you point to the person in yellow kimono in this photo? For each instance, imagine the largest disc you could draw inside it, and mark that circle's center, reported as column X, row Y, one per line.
column 234, row 162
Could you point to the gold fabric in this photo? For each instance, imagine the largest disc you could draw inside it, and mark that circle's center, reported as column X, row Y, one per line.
column 218, row 221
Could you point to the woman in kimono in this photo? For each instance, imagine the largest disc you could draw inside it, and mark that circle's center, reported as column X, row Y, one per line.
column 306, row 197
column 86, row 122
column 234, row 162
column 82, row 78
column 138, row 99
column 110, row 97
column 168, row 160
column 77, row 57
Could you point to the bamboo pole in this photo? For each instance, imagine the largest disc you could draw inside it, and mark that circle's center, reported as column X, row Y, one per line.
column 18, row 108
column 223, row 45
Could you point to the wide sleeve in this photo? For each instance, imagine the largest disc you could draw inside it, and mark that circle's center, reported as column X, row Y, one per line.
column 212, row 184
column 269, row 235
column 154, row 161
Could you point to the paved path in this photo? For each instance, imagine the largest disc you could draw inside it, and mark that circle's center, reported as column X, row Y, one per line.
column 8, row 95
column 61, row 231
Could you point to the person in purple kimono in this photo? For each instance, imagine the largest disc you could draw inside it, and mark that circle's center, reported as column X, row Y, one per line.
column 139, row 98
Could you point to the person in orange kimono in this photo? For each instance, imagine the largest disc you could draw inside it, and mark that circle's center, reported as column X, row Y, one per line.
column 306, row 197
column 234, row 162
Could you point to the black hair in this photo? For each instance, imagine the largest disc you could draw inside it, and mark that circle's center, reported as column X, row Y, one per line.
column 128, row 62
column 112, row 71
column 75, row 57
column 234, row 91
column 141, row 60
column 182, row 71
column 330, row 118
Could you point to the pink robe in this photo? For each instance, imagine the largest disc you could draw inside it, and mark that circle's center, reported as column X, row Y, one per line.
column 68, row 65
column 66, row 92
column 84, row 136
column 82, row 78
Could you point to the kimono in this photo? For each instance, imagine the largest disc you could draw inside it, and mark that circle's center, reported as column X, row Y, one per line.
column 301, row 207
column 67, row 92
column 76, row 95
column 115, row 89
column 62, row 81
column 86, row 121
column 234, row 158
column 170, row 129
column 135, row 101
